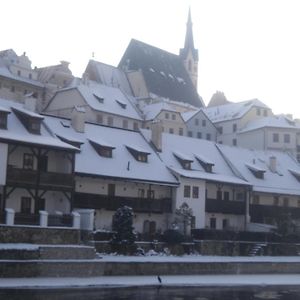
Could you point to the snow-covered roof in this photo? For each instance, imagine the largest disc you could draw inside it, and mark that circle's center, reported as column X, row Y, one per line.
column 108, row 99
column 4, row 109
column 108, row 75
column 153, row 110
column 279, row 182
column 204, row 159
column 232, row 111
column 17, row 133
column 187, row 147
column 27, row 112
column 183, row 156
column 122, row 165
column 280, row 121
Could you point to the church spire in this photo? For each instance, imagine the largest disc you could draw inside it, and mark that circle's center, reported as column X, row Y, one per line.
column 188, row 54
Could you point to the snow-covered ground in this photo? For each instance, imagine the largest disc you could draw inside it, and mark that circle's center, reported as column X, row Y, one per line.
column 118, row 281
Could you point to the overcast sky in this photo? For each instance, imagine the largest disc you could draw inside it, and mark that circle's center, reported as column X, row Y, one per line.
column 247, row 48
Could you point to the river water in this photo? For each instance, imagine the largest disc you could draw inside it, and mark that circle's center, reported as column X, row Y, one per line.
column 157, row 293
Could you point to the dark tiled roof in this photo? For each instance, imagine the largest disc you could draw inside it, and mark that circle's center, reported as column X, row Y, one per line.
column 164, row 72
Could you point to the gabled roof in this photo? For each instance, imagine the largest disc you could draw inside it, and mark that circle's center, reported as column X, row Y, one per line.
column 189, row 149
column 108, row 75
column 280, row 121
column 151, row 111
column 122, row 165
column 104, row 99
column 232, row 111
column 16, row 133
column 164, row 72
column 279, row 182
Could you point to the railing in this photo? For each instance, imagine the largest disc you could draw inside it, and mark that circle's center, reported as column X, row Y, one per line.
column 225, row 207
column 27, row 219
column 259, row 212
column 16, row 176
column 83, row 200
column 60, row 220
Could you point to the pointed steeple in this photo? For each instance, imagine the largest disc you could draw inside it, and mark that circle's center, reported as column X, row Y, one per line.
column 189, row 40
column 188, row 54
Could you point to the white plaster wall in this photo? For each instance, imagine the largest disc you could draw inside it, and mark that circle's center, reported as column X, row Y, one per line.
column 236, row 222
column 197, row 205
column 254, row 139
column 3, row 163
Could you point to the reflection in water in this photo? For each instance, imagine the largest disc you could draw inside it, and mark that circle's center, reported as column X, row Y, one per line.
column 162, row 293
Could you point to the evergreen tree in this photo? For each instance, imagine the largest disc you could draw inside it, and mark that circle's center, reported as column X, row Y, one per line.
column 185, row 215
column 122, row 226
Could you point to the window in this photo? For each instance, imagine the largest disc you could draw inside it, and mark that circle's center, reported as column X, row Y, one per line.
column 208, row 137
column 43, row 163
column 187, row 191
column 19, row 73
column 258, row 111
column 99, row 119
column 141, row 193
column 256, row 200
column 275, row 137
column 195, row 192
column 196, row 122
column 135, row 126
column 190, row 133
column 203, row 123
column 285, row 202
column 220, row 129
column 234, row 142
column 122, row 104
column 226, row 196
column 138, row 154
column 125, row 124
column 219, row 195
column 30, row 76
column 171, row 130
column 199, row 135
column 225, row 223
column 111, row 189
column 100, row 99
column 150, row 194
column 25, row 205
column 173, row 117
column 110, row 121
column 180, row 131
column 28, row 161
column 286, row 138
column 167, row 115
column 265, row 113
column 276, row 200
column 213, row 223
column 234, row 127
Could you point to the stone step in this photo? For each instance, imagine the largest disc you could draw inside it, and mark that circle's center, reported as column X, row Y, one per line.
column 67, row 252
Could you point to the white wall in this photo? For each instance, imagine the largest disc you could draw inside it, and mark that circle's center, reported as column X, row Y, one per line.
column 3, row 163
column 236, row 222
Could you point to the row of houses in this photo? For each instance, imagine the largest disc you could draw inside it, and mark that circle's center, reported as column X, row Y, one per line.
column 52, row 164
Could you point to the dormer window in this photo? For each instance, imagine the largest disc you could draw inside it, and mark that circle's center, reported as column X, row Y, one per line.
column 100, row 99
column 70, row 141
column 138, row 153
column 206, row 164
column 296, row 174
column 256, row 171
column 122, row 104
column 30, row 120
column 184, row 160
column 102, row 148
column 3, row 118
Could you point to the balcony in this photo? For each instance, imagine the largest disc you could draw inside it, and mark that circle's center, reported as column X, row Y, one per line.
column 27, row 219
column 145, row 205
column 30, row 178
column 259, row 212
column 225, row 207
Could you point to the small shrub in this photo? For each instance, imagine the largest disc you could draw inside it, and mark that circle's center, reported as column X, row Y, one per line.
column 173, row 236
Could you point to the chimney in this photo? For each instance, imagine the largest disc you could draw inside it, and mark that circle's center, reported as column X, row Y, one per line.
column 156, row 135
column 273, row 164
column 78, row 118
column 30, row 102
column 85, row 78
